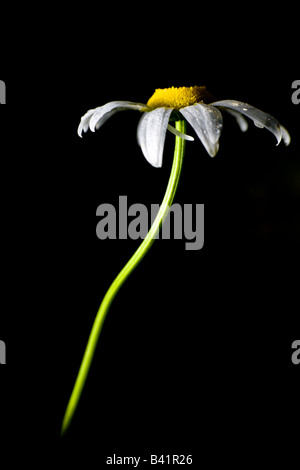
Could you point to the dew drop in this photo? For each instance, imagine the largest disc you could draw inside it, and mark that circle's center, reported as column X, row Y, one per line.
column 258, row 124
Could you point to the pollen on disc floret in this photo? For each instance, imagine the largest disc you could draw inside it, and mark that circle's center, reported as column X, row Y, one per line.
column 179, row 97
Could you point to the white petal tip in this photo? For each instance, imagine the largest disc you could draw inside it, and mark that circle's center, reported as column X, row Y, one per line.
column 286, row 136
column 214, row 152
column 179, row 134
column 187, row 137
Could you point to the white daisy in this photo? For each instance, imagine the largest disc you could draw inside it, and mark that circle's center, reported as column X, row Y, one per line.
column 194, row 104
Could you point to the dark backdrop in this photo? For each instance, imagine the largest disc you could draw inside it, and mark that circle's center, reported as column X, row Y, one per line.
column 195, row 354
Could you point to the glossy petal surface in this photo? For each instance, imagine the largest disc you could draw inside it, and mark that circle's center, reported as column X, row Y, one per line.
column 260, row 118
column 151, row 134
column 95, row 118
column 207, row 123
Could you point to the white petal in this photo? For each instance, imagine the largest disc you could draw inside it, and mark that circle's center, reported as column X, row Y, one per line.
column 207, row 123
column 94, row 118
column 84, row 122
column 151, row 134
column 260, row 118
column 239, row 119
column 102, row 113
column 179, row 134
column 285, row 135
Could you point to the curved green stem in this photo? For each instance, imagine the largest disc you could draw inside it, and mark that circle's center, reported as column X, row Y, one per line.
column 122, row 276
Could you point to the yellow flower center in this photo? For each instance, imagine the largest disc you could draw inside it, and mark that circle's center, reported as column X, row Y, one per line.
column 179, row 97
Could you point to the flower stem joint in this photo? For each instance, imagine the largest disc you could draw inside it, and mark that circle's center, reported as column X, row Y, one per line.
column 192, row 105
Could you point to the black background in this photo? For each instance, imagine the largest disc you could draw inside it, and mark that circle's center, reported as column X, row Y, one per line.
column 195, row 354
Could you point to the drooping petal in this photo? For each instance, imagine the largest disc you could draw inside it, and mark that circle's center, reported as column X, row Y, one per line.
column 179, row 134
column 95, row 118
column 151, row 134
column 84, row 122
column 285, row 135
column 243, row 124
column 260, row 118
column 207, row 123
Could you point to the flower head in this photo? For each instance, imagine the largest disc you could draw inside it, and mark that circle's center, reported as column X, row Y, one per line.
column 195, row 105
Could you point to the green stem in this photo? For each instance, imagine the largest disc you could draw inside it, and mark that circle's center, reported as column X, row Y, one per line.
column 122, row 276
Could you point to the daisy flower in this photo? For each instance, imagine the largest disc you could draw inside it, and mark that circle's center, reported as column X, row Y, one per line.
column 195, row 105
column 192, row 105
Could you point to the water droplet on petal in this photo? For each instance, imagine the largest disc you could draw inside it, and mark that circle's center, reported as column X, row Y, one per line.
column 258, row 124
